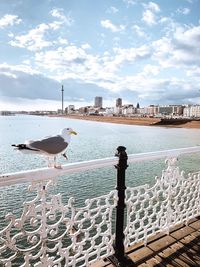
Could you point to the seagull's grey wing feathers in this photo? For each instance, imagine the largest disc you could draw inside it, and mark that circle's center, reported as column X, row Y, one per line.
column 50, row 145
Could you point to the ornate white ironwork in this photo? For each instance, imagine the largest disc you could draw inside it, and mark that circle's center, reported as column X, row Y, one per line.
column 49, row 233
column 172, row 200
column 52, row 234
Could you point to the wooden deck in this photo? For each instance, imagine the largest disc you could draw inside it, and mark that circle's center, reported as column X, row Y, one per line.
column 181, row 248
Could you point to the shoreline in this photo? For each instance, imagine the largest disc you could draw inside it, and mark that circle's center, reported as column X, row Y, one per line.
column 193, row 124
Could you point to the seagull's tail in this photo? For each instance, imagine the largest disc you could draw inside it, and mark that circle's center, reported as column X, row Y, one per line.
column 24, row 147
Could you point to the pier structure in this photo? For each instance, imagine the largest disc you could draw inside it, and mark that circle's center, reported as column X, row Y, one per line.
column 155, row 225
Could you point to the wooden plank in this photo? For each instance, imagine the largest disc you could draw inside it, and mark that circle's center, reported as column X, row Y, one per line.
column 186, row 254
column 182, row 232
column 169, row 255
column 158, row 261
column 162, row 243
column 181, row 248
column 195, row 225
column 140, row 254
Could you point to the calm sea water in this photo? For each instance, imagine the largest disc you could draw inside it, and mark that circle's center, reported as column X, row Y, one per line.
column 94, row 140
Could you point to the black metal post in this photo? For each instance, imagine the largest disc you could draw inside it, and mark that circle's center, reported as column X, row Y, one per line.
column 119, row 258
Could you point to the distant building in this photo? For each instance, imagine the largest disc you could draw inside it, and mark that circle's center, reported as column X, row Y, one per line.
column 192, row 111
column 128, row 110
column 70, row 109
column 119, row 102
column 186, row 111
column 138, row 105
column 151, row 110
column 171, row 110
column 109, row 111
column 98, row 102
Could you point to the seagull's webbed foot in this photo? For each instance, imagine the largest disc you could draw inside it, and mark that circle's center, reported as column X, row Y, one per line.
column 57, row 166
column 65, row 156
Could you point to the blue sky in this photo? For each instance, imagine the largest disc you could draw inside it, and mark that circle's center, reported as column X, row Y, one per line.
column 141, row 51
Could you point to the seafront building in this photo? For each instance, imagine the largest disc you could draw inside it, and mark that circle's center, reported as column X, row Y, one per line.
column 129, row 110
column 98, row 102
column 119, row 102
column 192, row 111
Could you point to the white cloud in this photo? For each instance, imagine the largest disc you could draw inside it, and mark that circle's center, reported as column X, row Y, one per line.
column 107, row 24
column 58, row 13
column 152, row 6
column 151, row 70
column 149, row 17
column 112, row 9
column 13, row 69
column 188, row 36
column 130, row 2
column 86, row 46
column 149, row 13
column 132, row 54
column 183, row 10
column 9, row 20
column 61, row 59
column 35, row 39
column 139, row 31
column 181, row 49
column 62, row 41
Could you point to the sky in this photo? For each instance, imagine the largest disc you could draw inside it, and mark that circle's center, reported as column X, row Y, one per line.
column 141, row 51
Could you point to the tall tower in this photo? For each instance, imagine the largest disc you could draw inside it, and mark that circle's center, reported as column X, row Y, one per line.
column 62, row 90
column 98, row 102
column 119, row 102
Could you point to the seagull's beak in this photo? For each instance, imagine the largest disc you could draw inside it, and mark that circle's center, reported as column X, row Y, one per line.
column 73, row 132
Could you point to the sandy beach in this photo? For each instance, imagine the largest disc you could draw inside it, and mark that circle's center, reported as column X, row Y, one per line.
column 134, row 121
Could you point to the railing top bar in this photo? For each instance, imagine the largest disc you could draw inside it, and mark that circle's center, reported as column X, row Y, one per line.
column 47, row 173
column 162, row 154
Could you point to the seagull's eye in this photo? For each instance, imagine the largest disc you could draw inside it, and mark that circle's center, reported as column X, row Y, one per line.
column 67, row 129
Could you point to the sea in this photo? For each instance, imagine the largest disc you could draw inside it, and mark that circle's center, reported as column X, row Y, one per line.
column 94, row 140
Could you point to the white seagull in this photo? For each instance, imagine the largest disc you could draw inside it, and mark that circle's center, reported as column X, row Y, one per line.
column 50, row 146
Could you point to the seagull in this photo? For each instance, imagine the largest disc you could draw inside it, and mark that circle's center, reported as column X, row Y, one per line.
column 49, row 146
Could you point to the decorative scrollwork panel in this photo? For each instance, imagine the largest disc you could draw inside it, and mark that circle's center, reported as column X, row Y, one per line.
column 172, row 200
column 49, row 233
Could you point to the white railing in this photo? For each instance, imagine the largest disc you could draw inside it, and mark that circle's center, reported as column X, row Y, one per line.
column 49, row 173
column 50, row 233
column 173, row 199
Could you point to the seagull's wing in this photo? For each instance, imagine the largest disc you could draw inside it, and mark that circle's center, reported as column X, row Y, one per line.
column 50, row 145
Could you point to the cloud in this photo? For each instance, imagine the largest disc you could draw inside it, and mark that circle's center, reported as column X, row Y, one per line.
column 16, row 83
column 35, row 39
column 58, row 13
column 162, row 91
column 61, row 58
column 107, row 24
column 152, row 6
column 26, row 84
column 41, row 36
column 139, row 31
column 179, row 49
column 9, row 20
column 112, row 10
column 76, row 62
column 149, row 17
column 131, row 54
column 183, row 11
column 151, row 70
column 130, row 2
